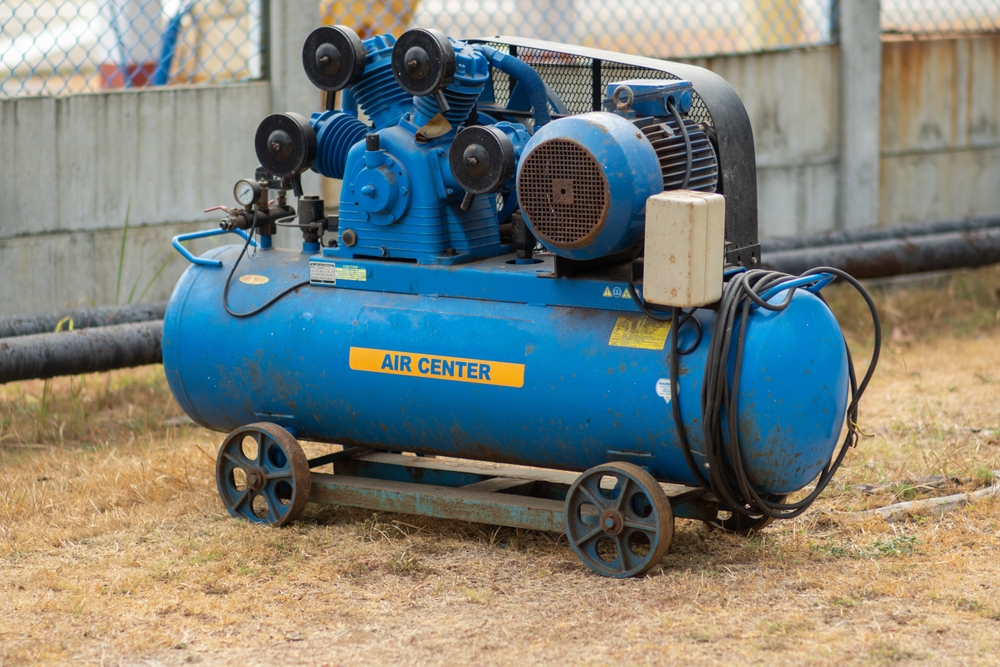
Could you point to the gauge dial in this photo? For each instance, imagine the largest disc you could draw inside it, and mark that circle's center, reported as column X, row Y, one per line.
column 246, row 191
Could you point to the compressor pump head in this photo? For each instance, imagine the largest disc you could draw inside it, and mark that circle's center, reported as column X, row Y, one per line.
column 434, row 169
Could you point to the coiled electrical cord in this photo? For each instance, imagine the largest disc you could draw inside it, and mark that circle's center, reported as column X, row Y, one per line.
column 726, row 475
column 229, row 280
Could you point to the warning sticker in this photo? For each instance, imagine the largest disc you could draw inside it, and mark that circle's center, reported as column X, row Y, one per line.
column 253, row 279
column 437, row 367
column 328, row 273
column 639, row 332
column 352, row 272
column 616, row 293
column 663, row 389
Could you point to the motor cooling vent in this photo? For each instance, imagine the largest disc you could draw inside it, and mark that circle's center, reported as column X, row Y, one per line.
column 563, row 192
column 671, row 151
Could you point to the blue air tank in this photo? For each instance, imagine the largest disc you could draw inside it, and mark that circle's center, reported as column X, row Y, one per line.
column 519, row 383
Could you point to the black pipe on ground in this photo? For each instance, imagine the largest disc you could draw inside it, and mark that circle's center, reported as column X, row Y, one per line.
column 42, row 356
column 82, row 318
column 769, row 246
column 893, row 257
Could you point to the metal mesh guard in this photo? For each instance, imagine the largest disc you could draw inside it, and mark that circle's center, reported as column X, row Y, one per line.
column 571, row 77
column 563, row 192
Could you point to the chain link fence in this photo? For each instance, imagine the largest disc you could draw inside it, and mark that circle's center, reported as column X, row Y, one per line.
column 662, row 29
column 53, row 47
column 940, row 16
column 56, row 47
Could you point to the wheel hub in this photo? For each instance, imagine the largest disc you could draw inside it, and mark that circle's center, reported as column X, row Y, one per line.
column 255, row 479
column 612, row 521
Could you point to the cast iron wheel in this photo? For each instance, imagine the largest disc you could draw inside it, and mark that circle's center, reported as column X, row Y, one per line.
column 263, row 474
column 621, row 527
column 741, row 524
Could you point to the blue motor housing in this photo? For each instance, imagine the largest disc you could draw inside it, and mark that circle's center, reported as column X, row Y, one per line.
column 583, row 182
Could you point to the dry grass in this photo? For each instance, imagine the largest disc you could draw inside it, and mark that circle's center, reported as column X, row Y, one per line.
column 114, row 548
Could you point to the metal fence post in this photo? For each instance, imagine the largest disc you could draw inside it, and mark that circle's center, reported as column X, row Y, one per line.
column 860, row 102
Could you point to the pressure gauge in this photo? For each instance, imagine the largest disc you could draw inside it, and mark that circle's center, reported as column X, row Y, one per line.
column 246, row 191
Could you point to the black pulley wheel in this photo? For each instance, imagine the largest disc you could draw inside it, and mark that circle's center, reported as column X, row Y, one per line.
column 333, row 58
column 285, row 144
column 481, row 159
column 263, row 474
column 618, row 520
column 423, row 61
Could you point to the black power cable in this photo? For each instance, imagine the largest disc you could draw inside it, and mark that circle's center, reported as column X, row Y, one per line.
column 727, row 477
column 687, row 143
column 229, row 280
column 675, row 387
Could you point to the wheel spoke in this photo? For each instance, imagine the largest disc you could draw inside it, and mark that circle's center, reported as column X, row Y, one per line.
column 622, row 493
column 261, row 446
column 272, row 503
column 642, row 524
column 280, row 474
column 237, row 459
column 622, row 555
column 241, row 499
column 588, row 537
column 596, row 499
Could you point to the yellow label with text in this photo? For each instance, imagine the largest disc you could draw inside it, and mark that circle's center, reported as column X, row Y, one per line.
column 640, row 332
column 352, row 272
column 436, row 367
column 253, row 279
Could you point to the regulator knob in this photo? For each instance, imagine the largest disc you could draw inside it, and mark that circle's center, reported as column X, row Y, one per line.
column 285, row 144
column 482, row 159
column 333, row 58
column 423, row 61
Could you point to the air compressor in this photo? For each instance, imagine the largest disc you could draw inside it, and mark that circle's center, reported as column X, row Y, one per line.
column 537, row 305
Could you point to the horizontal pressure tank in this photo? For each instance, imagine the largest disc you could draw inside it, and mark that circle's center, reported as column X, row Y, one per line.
column 489, row 380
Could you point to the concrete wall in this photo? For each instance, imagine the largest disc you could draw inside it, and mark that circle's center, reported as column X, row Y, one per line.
column 939, row 126
column 74, row 167
column 792, row 100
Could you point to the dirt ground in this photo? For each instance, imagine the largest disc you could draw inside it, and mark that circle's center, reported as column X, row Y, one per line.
column 115, row 549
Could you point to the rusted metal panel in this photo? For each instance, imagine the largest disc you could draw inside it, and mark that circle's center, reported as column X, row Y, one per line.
column 940, row 129
column 498, row 509
column 505, row 495
column 489, row 470
column 940, row 94
column 471, row 467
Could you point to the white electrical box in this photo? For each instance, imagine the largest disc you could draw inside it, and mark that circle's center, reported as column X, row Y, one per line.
column 685, row 248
